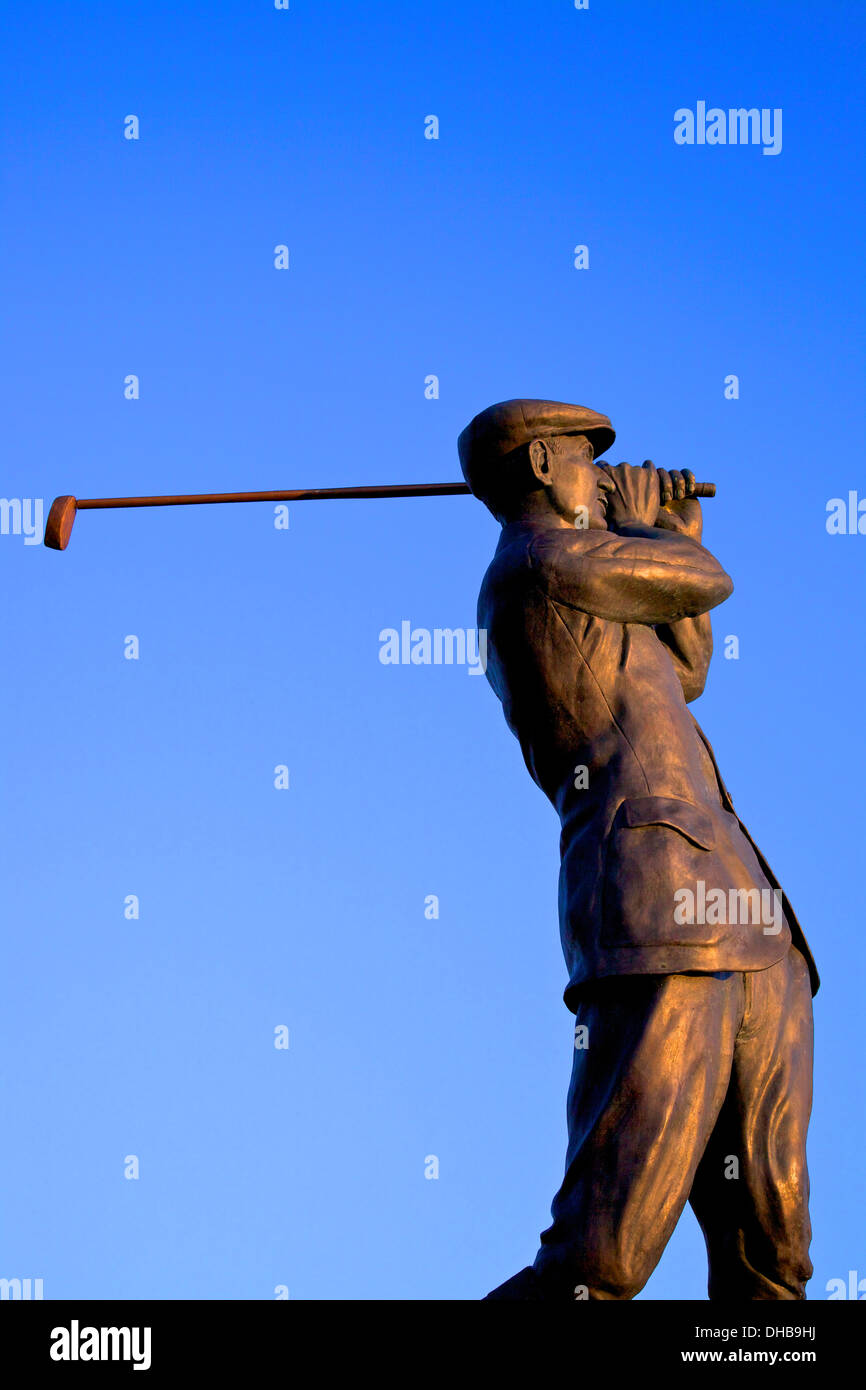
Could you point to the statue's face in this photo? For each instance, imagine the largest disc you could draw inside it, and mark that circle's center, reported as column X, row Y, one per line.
column 576, row 488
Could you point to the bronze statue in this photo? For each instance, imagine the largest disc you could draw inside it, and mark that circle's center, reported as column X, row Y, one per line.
column 689, row 976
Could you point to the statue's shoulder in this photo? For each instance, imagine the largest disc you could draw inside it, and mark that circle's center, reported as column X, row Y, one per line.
column 526, row 554
column 551, row 547
column 511, row 559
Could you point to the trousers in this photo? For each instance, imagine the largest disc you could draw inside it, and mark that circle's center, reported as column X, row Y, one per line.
column 689, row 1087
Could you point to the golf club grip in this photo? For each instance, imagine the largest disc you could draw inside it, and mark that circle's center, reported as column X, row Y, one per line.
column 699, row 489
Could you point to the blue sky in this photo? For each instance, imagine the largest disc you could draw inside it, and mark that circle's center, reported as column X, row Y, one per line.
column 259, row 907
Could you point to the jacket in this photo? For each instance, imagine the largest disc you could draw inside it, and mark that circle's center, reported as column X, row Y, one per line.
column 596, row 641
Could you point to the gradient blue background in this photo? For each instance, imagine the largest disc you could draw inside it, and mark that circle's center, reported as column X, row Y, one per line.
column 409, row 1037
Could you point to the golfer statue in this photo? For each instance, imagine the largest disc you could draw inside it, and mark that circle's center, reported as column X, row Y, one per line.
column 689, row 976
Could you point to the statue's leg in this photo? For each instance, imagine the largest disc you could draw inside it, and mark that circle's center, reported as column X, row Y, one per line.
column 644, row 1097
column 751, row 1191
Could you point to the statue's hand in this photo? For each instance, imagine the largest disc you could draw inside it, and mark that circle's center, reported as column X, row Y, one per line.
column 636, row 497
column 679, row 510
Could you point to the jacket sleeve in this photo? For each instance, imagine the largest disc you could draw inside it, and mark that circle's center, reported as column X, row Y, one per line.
column 689, row 645
column 656, row 576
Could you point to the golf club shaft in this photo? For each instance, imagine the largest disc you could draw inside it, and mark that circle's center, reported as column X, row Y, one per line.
column 314, row 494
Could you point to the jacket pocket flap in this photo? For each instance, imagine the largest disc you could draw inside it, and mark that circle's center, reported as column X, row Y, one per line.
column 692, row 821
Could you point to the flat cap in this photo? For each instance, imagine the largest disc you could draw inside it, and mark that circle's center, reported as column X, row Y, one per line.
column 501, row 428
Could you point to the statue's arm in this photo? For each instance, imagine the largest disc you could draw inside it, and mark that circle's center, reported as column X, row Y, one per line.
column 639, row 574
column 689, row 642
column 690, row 646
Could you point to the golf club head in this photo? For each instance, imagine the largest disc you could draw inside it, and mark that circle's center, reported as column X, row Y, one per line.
column 60, row 521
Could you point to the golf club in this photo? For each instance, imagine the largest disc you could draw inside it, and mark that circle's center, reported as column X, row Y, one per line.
column 61, row 517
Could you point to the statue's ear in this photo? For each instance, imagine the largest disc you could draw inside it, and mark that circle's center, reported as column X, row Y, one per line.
column 539, row 460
